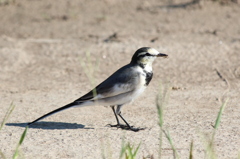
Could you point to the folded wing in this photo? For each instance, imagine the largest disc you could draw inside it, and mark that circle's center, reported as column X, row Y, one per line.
column 122, row 81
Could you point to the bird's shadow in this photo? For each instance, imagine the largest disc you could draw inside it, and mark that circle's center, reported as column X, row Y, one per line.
column 50, row 125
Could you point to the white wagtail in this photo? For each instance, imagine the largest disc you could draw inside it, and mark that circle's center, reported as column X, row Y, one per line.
column 120, row 88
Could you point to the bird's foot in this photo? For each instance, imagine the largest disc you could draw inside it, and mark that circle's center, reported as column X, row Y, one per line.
column 126, row 127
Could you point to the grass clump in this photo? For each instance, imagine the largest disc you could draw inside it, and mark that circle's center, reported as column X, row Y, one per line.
column 129, row 151
column 161, row 102
column 210, row 151
column 16, row 153
column 7, row 115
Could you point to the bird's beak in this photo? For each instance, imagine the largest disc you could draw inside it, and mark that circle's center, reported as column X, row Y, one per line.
column 162, row 55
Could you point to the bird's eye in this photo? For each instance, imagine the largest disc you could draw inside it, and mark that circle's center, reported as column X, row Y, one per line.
column 147, row 54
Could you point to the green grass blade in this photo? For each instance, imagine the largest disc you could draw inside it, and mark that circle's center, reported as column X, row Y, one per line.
column 23, row 136
column 135, row 152
column 160, row 111
column 2, row 155
column 123, row 149
column 90, row 67
column 129, row 148
column 160, row 144
column 9, row 111
column 16, row 153
column 161, row 102
column 191, row 151
column 129, row 151
column 167, row 134
column 210, row 150
column 217, row 123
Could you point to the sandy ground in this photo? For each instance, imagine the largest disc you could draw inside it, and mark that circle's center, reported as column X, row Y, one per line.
column 48, row 48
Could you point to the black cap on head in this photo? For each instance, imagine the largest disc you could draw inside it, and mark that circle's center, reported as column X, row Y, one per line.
column 141, row 50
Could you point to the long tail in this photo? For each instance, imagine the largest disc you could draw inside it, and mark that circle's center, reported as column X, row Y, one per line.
column 55, row 111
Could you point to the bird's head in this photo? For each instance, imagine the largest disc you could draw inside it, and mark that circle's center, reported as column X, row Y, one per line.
column 145, row 56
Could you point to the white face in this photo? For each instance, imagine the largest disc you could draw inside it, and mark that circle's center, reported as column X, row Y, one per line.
column 147, row 60
column 153, row 51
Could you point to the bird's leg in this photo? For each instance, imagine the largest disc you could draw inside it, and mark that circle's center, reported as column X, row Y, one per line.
column 124, row 120
column 128, row 126
column 118, row 123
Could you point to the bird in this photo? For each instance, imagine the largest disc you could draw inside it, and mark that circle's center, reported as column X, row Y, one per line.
column 121, row 88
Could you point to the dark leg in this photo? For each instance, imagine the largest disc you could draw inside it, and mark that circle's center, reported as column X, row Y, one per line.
column 128, row 126
column 125, row 127
column 118, row 123
column 124, row 121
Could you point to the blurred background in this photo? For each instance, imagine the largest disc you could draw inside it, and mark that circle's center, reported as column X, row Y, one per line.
column 37, row 32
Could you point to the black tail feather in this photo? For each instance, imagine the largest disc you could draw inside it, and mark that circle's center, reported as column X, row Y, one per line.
column 54, row 111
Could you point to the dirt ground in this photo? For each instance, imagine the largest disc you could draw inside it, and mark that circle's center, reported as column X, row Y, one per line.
column 52, row 52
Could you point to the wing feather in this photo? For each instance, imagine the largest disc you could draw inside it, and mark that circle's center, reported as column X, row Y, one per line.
column 122, row 81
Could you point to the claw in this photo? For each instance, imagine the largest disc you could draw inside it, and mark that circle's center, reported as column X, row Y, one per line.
column 125, row 127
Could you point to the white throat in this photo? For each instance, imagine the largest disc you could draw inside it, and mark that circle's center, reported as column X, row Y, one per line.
column 148, row 67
